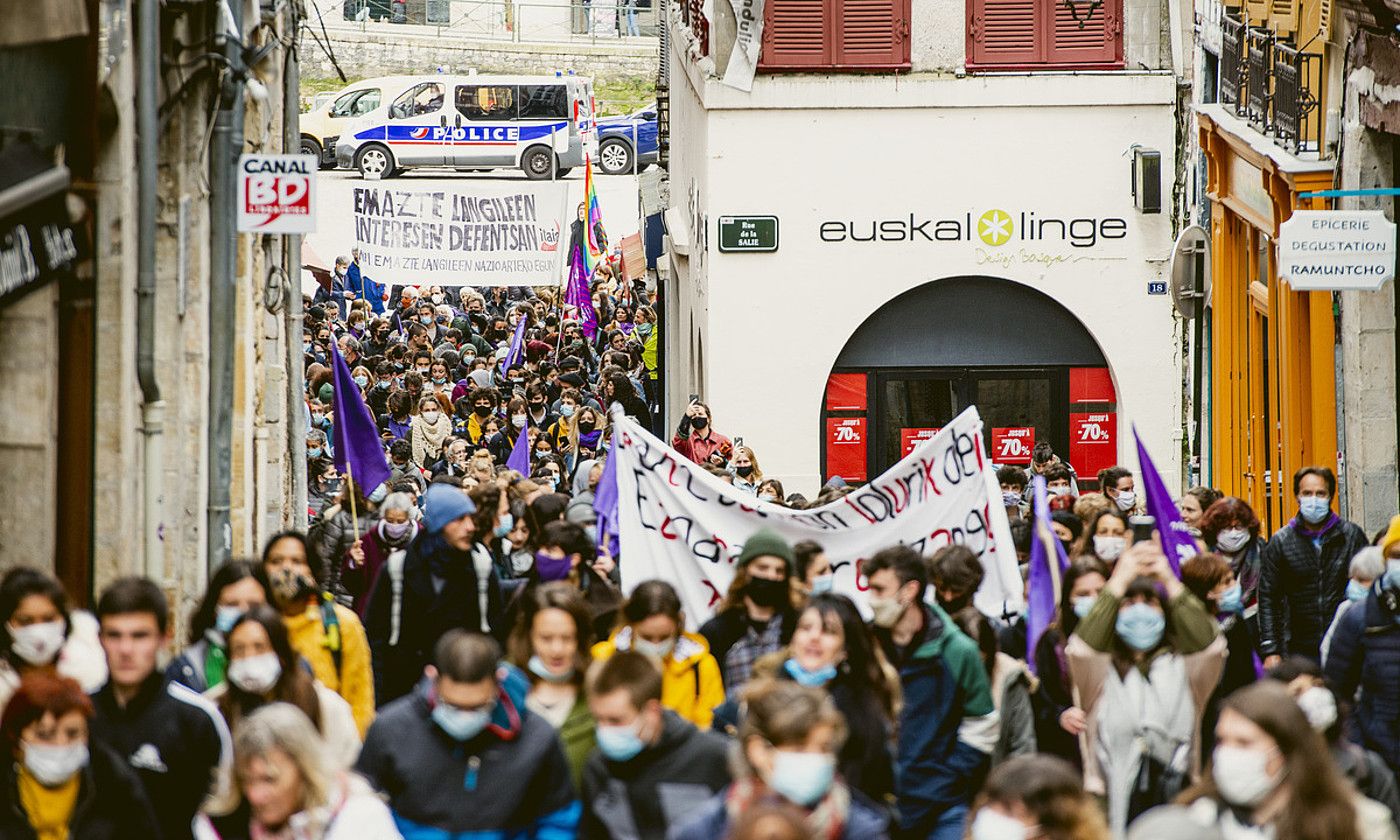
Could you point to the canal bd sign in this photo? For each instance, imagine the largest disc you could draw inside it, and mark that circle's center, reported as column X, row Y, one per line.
column 1336, row 250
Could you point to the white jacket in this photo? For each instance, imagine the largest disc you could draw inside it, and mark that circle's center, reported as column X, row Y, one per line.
column 338, row 730
column 357, row 814
column 80, row 658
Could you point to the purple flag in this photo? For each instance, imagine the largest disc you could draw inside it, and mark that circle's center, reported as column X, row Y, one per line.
column 516, row 342
column 358, row 450
column 1177, row 542
column 605, row 505
column 519, row 459
column 1044, row 583
column 577, row 296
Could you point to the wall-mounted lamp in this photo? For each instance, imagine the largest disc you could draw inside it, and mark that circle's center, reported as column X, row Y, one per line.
column 1147, row 180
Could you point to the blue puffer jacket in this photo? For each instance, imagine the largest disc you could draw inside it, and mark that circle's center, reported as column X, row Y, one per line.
column 1366, row 653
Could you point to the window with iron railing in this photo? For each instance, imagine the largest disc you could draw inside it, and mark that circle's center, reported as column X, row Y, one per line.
column 1297, row 123
column 851, row 35
column 1232, row 66
column 1258, row 58
column 1053, row 34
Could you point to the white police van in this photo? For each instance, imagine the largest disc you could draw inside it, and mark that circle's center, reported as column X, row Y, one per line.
column 542, row 124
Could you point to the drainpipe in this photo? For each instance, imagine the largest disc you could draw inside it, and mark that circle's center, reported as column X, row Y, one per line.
column 152, row 406
column 296, row 367
column 227, row 143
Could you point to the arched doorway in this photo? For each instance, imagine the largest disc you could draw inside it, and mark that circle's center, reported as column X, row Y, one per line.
column 1028, row 364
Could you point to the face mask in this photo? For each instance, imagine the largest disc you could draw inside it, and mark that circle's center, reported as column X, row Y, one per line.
column 425, row 319
column 699, row 422
column 1320, row 707
column 538, row 668
column 423, row 372
column 1231, row 601
column 765, row 592
column 994, row 825
column 439, row 380
column 1083, row 604
column 38, row 644
column 887, row 611
column 518, row 421
column 317, row 418
column 1058, row 491
column 822, row 583
column 1231, row 540
column 51, row 765
column 1140, row 626
column 552, row 568
column 1010, row 498
column 468, row 358
column 537, row 408
column 657, row 650
column 1356, row 591
column 619, row 743
column 1314, row 509
column 1242, row 775
column 1108, row 549
column 481, row 410
column 314, row 452
column 506, row 525
column 1392, row 574
column 767, row 497
column 288, row 587
column 225, row 618
column 395, row 530
column 255, row 674
column 744, row 471
column 802, row 778
column 644, row 329
column 430, row 417
column 802, row 676
column 1126, row 499
column 461, row 724
column 382, row 385
column 566, row 410
column 306, row 347
column 362, row 380
column 437, row 298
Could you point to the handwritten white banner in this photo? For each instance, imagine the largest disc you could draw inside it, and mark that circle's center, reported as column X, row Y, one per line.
column 680, row 524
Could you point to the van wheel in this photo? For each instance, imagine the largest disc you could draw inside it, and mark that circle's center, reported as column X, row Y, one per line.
column 538, row 163
column 374, row 162
column 615, row 157
column 309, row 146
column 563, row 172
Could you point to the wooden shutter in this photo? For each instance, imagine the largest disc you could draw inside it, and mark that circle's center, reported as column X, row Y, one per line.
column 1003, row 32
column 1283, row 17
column 795, row 35
column 871, row 34
column 1085, row 33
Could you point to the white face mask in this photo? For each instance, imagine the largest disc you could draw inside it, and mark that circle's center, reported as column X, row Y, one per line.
column 1242, row 775
column 430, row 417
column 1108, row 549
column 38, row 644
column 1320, row 707
column 52, row 765
column 994, row 825
column 656, row 650
column 887, row 612
column 255, row 674
column 1231, row 540
column 1126, row 499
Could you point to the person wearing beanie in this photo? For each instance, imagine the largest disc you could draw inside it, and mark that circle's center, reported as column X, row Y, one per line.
column 759, row 613
column 426, row 589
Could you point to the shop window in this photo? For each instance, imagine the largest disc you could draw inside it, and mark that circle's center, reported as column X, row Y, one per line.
column 835, row 35
column 1056, row 34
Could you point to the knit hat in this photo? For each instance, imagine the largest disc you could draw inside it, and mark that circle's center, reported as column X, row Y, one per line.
column 326, row 394
column 442, row 504
column 1392, row 535
column 766, row 543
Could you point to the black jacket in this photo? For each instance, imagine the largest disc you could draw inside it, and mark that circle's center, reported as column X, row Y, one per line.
column 728, row 627
column 174, row 739
column 660, row 787
column 424, row 614
column 111, row 803
column 1300, row 588
column 1365, row 655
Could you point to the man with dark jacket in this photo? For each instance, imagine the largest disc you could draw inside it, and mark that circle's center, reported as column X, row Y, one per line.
column 1304, row 569
column 1365, row 653
column 462, row 756
column 435, row 590
column 948, row 725
column 652, row 769
column 173, row 738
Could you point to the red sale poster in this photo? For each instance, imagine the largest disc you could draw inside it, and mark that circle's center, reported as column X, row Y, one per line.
column 1093, row 441
column 912, row 437
column 1013, row 444
column 845, row 448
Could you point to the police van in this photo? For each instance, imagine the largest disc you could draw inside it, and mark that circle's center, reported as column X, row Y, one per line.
column 542, row 124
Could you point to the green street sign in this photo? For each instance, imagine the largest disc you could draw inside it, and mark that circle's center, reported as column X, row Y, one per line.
column 748, row 233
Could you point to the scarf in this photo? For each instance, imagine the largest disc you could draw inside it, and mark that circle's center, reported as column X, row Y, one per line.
column 215, row 658
column 826, row 820
column 48, row 809
column 589, row 440
column 1317, row 532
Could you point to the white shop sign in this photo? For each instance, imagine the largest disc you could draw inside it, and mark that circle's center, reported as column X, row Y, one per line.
column 277, row 193
column 1336, row 250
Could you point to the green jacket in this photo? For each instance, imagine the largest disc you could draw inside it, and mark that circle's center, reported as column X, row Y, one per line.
column 578, row 736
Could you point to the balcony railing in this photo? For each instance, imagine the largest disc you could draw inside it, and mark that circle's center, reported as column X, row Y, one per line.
column 1258, row 58
column 1296, row 122
column 693, row 13
column 1232, row 65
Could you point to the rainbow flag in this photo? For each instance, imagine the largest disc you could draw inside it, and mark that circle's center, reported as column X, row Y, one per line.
column 594, row 235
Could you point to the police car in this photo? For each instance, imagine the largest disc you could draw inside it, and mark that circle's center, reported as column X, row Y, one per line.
column 627, row 142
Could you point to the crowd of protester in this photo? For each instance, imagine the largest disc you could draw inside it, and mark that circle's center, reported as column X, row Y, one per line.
column 450, row 654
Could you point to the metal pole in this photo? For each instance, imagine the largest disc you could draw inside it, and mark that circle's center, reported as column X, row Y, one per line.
column 223, row 278
column 147, row 200
column 292, row 313
column 1197, row 387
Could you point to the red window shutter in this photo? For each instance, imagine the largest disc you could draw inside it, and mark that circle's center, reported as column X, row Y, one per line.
column 872, row 33
column 795, row 34
column 1086, row 33
column 1003, row 32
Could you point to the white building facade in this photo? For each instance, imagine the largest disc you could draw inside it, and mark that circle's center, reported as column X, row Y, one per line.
column 985, row 225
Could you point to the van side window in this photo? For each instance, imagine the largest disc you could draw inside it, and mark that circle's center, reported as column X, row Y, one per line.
column 420, row 99
column 486, row 102
column 544, row 102
column 356, row 103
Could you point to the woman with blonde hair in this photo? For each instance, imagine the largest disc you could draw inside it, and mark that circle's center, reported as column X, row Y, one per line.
column 428, row 430
column 1037, row 797
column 747, row 474
column 283, row 786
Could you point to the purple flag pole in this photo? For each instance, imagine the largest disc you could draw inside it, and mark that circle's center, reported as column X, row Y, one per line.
column 519, row 459
column 358, row 450
column 1044, row 582
column 605, row 504
column 1177, row 542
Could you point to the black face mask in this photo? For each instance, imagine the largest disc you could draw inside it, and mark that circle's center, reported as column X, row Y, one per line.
column 957, row 604
column 765, row 592
column 537, row 406
column 699, row 422
column 482, row 410
column 744, row 472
